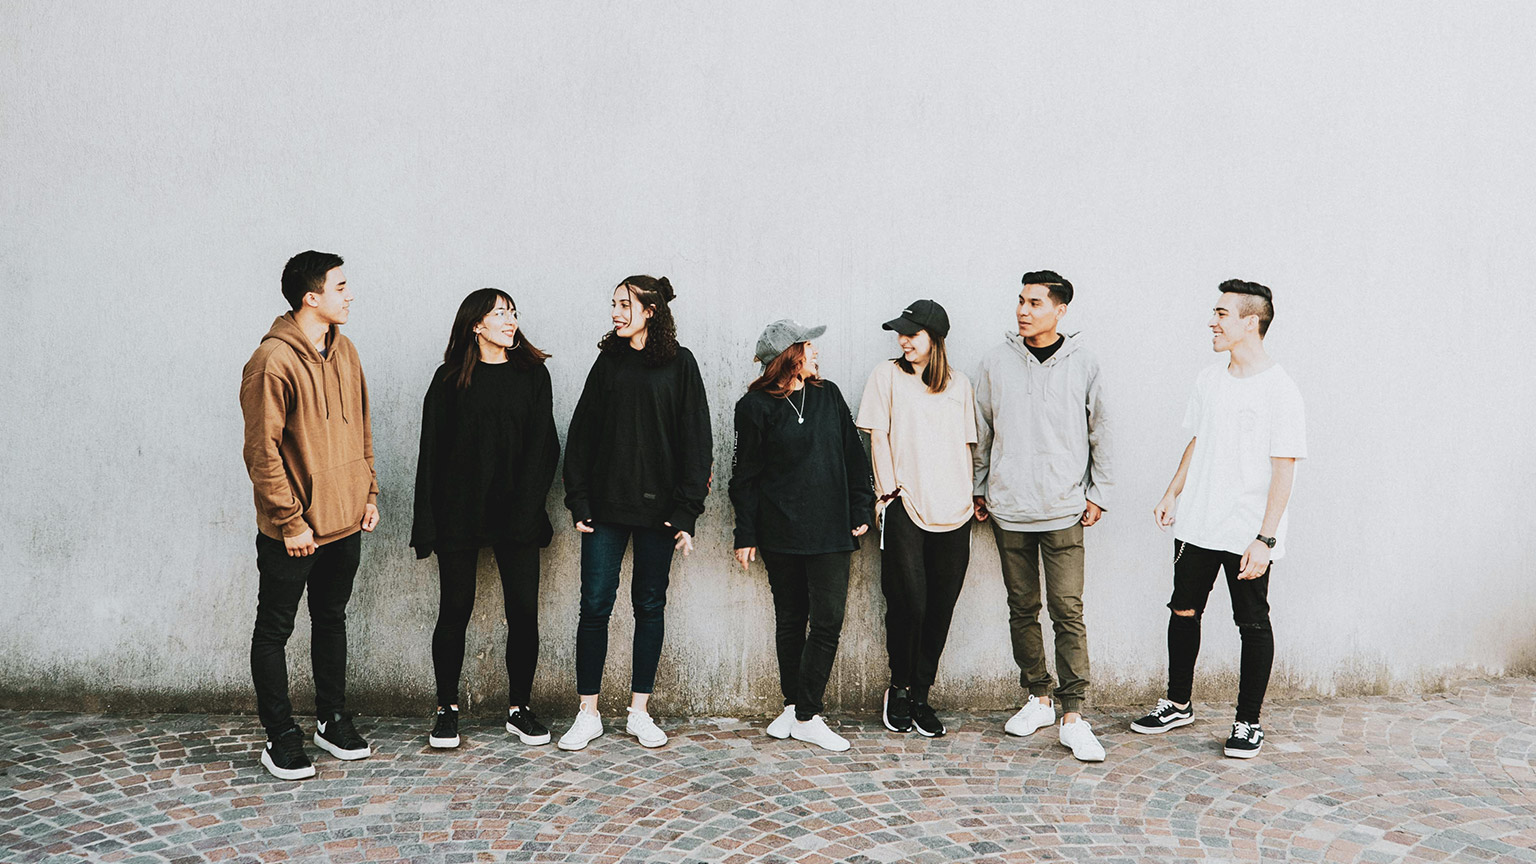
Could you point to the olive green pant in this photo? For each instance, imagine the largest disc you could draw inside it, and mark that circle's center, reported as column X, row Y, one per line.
column 1062, row 553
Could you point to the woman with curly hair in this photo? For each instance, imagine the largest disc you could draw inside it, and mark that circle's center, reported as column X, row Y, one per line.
column 637, row 467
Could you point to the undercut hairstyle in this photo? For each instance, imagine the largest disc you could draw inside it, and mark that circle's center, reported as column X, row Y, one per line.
column 305, row 274
column 463, row 350
column 1055, row 284
column 661, row 332
column 778, row 377
column 1257, row 300
column 936, row 374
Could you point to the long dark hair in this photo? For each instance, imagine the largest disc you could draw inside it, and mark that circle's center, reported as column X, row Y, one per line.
column 463, row 350
column 936, row 373
column 778, row 376
column 661, row 332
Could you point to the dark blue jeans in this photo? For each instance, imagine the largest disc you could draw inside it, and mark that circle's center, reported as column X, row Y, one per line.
column 602, row 552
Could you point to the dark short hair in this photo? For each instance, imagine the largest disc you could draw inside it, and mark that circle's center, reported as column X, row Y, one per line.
column 1258, row 300
column 305, row 273
column 1055, row 284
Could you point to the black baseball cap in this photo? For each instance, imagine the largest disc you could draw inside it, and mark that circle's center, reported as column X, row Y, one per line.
column 921, row 315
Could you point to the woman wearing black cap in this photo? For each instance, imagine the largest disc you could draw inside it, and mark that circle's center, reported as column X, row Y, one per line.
column 920, row 415
column 801, row 488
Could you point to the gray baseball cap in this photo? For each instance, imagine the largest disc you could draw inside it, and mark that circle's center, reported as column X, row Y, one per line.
column 778, row 336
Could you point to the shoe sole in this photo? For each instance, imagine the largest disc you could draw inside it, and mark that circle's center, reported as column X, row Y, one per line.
column 772, row 734
column 1148, row 730
column 530, row 740
column 645, row 743
column 285, row 773
column 582, row 746
column 443, row 743
column 1032, row 729
column 1089, row 758
column 917, row 727
column 1243, row 754
column 343, row 755
column 832, row 747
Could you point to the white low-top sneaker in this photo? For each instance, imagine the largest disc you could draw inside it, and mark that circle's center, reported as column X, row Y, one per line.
column 644, row 729
column 779, row 728
column 1033, row 716
column 587, row 727
column 815, row 731
column 1079, row 737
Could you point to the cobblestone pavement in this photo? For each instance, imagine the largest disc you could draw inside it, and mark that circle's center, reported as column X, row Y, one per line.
column 1442, row 778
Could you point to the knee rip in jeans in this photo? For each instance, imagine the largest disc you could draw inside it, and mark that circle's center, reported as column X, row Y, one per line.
column 1256, row 626
column 1184, row 613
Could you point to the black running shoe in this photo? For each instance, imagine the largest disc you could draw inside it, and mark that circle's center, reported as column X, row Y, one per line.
column 897, row 713
column 1164, row 717
column 928, row 723
column 339, row 737
column 284, row 756
column 1246, row 741
column 522, row 723
column 445, row 732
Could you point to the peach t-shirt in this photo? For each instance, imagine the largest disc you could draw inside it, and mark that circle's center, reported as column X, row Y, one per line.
column 930, row 436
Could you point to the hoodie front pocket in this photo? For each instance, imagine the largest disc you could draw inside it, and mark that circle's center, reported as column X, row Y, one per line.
column 337, row 498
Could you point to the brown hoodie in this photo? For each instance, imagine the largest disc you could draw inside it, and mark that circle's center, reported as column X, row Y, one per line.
column 308, row 445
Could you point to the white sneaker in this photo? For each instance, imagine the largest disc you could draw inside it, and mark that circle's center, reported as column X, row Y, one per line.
column 779, row 728
column 1079, row 737
column 815, row 731
column 587, row 727
column 1033, row 716
column 644, row 728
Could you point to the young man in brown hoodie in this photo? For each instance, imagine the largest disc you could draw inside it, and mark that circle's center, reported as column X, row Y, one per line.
column 309, row 451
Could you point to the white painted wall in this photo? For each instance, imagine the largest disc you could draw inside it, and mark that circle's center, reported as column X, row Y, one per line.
column 161, row 160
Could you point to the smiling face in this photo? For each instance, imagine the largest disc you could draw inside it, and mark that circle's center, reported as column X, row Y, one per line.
column 1038, row 313
column 916, row 348
column 629, row 315
column 809, row 367
column 498, row 327
column 331, row 302
column 1229, row 325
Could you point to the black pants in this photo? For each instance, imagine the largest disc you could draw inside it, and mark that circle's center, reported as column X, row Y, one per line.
column 920, row 574
column 457, row 568
column 807, row 589
column 328, row 573
column 1194, row 575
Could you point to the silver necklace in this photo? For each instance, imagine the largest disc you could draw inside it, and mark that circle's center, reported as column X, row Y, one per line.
column 799, row 412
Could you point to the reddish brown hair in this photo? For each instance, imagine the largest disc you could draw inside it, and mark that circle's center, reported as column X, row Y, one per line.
column 778, row 378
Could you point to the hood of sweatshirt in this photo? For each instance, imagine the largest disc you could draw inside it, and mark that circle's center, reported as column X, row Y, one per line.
column 1073, row 341
column 286, row 329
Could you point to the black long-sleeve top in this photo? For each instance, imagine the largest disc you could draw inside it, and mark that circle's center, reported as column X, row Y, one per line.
column 487, row 460
column 640, row 450
column 797, row 487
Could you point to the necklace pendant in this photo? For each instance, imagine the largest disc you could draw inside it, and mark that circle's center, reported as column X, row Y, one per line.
column 800, row 420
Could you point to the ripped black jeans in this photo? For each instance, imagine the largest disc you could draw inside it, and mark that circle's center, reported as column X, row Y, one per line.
column 1194, row 575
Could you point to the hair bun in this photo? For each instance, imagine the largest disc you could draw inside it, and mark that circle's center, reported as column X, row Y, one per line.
column 664, row 288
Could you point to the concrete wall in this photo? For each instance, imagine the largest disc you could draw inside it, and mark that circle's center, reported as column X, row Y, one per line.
column 161, row 160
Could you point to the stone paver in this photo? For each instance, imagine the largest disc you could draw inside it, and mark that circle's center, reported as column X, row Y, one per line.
column 1442, row 778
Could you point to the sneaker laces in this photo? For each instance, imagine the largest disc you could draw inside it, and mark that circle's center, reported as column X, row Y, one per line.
column 289, row 745
column 341, row 730
column 1164, row 706
column 1244, row 730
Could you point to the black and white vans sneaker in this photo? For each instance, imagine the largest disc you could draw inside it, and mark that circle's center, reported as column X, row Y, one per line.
column 1164, row 717
column 926, row 721
column 1246, row 741
column 284, row 756
column 339, row 737
column 897, row 712
column 528, row 729
column 445, row 732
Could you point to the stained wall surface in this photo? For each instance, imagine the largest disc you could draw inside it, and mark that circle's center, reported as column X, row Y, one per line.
column 161, row 160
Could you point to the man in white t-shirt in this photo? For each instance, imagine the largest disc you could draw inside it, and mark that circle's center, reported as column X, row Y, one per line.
column 1248, row 428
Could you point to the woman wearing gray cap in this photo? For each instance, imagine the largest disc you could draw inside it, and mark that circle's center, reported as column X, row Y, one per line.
column 800, row 483
column 921, row 419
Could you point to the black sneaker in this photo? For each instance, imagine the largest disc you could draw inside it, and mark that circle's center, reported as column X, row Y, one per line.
column 897, row 712
column 1246, row 741
column 1164, row 717
column 284, row 756
column 339, row 737
column 522, row 723
column 928, row 723
column 445, row 732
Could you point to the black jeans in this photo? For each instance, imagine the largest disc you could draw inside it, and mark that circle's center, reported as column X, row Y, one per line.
column 921, row 573
column 807, row 589
column 457, row 568
column 328, row 573
column 1194, row 575
column 602, row 552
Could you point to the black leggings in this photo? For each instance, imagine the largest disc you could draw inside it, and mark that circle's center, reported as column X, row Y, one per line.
column 920, row 574
column 519, row 566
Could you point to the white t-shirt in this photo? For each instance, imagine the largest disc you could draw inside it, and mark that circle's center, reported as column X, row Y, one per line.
column 930, row 436
column 1238, row 424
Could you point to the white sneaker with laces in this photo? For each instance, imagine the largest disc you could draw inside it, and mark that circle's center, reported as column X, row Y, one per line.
column 815, row 731
column 587, row 727
column 1079, row 738
column 779, row 728
column 644, row 728
column 1033, row 716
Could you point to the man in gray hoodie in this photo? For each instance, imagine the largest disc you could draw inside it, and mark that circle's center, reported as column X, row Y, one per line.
column 1043, row 475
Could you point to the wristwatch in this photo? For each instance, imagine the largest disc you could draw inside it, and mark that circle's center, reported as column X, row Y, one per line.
column 1267, row 541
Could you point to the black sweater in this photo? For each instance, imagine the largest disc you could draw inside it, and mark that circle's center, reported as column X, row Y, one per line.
column 640, row 451
column 799, row 487
column 488, row 457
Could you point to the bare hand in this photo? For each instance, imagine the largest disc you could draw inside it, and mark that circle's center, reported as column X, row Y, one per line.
column 684, row 541
column 1092, row 514
column 1163, row 512
column 746, row 555
column 981, row 508
column 302, row 544
column 370, row 518
column 585, row 527
column 861, row 530
column 1255, row 561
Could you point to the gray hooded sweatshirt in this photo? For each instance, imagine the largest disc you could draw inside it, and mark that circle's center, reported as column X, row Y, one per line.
column 1043, row 447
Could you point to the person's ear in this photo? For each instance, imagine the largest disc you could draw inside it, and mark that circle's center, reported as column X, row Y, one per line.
column 312, row 299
